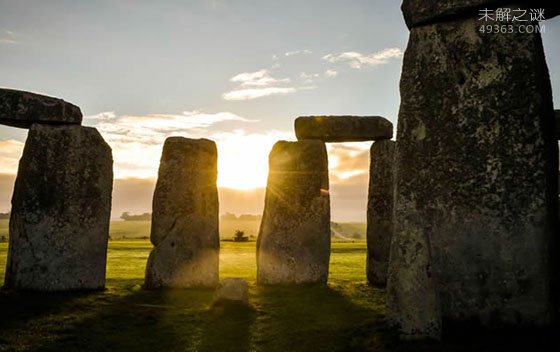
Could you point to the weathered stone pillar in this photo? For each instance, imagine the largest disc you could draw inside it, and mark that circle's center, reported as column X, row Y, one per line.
column 476, row 166
column 185, row 216
column 293, row 246
column 61, row 206
column 380, row 211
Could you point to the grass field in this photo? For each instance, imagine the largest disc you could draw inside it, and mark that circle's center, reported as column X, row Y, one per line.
column 141, row 229
column 346, row 315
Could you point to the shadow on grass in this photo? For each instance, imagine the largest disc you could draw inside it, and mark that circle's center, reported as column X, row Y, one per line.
column 128, row 318
column 317, row 318
column 313, row 318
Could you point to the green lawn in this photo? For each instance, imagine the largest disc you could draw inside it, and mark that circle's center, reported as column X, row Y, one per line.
column 347, row 315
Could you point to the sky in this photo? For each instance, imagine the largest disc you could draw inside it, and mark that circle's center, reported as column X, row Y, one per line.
column 235, row 71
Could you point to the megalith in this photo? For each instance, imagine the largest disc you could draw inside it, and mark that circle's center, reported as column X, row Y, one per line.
column 185, row 216
column 476, row 164
column 557, row 115
column 380, row 211
column 293, row 245
column 343, row 128
column 22, row 109
column 61, row 206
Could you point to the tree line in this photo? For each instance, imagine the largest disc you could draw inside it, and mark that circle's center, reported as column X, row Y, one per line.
column 127, row 216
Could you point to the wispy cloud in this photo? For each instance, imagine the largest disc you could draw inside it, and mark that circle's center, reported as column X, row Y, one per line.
column 308, row 77
column 8, row 37
column 258, row 84
column 298, row 52
column 260, row 78
column 349, row 162
column 357, row 60
column 331, row 73
column 106, row 115
column 249, row 94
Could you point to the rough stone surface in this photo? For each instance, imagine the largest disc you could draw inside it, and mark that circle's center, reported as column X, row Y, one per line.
column 185, row 216
column 61, row 206
column 22, row 109
column 343, row 128
column 476, row 194
column 232, row 290
column 557, row 114
column 293, row 246
column 380, row 211
column 420, row 12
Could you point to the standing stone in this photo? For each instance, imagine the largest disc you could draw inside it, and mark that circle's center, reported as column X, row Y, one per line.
column 185, row 216
column 557, row 115
column 61, row 206
column 380, row 211
column 293, row 246
column 22, row 109
column 476, row 194
column 343, row 128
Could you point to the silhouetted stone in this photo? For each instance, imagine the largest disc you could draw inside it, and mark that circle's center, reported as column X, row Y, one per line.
column 22, row 109
column 61, row 206
column 476, row 170
column 421, row 12
column 232, row 290
column 343, row 128
column 557, row 114
column 293, row 246
column 380, row 211
column 185, row 216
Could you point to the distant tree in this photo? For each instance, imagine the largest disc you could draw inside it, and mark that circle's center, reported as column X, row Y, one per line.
column 142, row 217
column 4, row 216
column 249, row 217
column 356, row 236
column 240, row 236
column 3, row 239
column 228, row 217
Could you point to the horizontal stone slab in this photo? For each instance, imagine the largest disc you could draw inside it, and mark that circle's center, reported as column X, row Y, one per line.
column 22, row 109
column 420, row 12
column 343, row 128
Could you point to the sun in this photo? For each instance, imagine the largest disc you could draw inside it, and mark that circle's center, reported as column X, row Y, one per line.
column 243, row 159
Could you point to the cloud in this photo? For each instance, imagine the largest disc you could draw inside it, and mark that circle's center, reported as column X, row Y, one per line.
column 10, row 153
column 330, row 73
column 7, row 37
column 258, row 84
column 260, row 78
column 249, row 94
column 308, row 77
column 137, row 141
column 106, row 115
column 298, row 52
column 349, row 163
column 356, row 60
